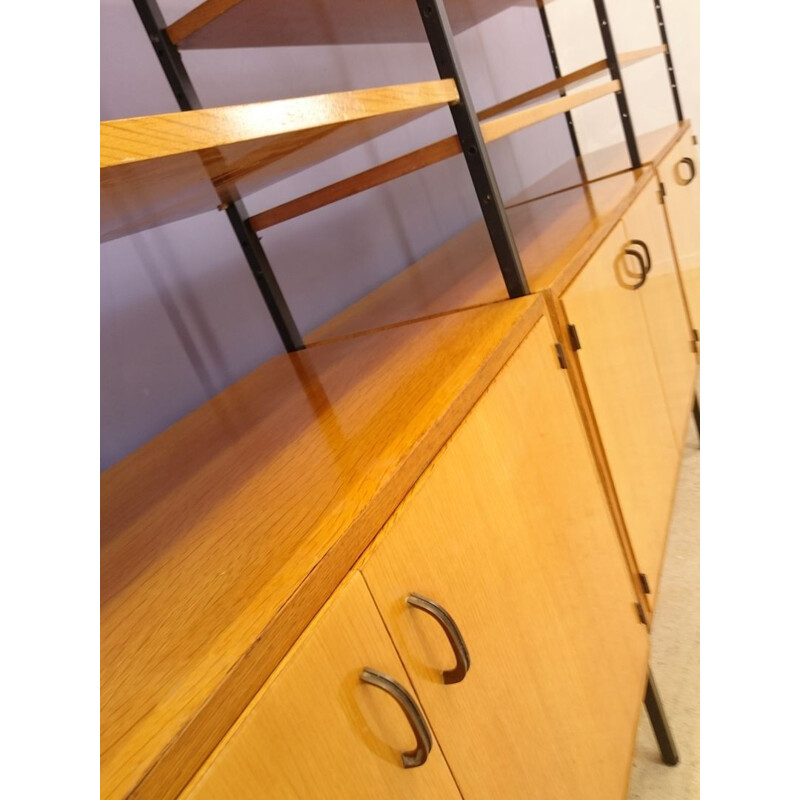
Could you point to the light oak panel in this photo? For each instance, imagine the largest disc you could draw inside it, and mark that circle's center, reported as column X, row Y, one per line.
column 624, row 387
column 157, row 169
column 263, row 23
column 215, row 555
column 682, row 201
column 662, row 300
column 521, row 550
column 315, row 730
column 634, row 56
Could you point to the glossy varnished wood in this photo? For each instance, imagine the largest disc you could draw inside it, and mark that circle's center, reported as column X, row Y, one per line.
column 224, row 536
column 682, row 201
column 423, row 156
column 260, row 23
column 316, row 731
column 165, row 167
column 555, row 236
column 509, row 531
column 665, row 314
column 627, row 400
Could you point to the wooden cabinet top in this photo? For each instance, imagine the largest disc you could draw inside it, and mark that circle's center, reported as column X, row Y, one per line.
column 225, row 535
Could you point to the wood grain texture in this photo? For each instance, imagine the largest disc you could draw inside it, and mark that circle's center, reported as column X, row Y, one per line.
column 263, row 23
column 409, row 162
column 315, row 730
column 225, row 535
column 166, row 167
column 665, row 313
column 515, row 121
column 682, row 202
column 508, row 529
column 624, row 387
column 554, row 236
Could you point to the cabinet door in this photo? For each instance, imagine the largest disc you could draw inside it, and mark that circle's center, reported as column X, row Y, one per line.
column 509, row 532
column 316, row 730
column 664, row 310
column 679, row 174
column 624, row 387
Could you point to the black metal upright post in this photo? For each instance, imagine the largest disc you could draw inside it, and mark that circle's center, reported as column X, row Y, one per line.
column 616, row 75
column 652, row 702
column 187, row 98
column 662, row 29
column 551, row 46
column 440, row 36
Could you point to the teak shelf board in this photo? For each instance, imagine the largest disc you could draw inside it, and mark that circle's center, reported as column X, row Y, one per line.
column 493, row 127
column 157, row 169
column 632, row 56
column 263, row 23
column 555, row 237
column 224, row 536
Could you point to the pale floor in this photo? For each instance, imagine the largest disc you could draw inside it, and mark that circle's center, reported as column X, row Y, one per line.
column 675, row 651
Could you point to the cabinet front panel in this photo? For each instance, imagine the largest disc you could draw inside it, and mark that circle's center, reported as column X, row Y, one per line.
column 682, row 201
column 664, row 309
column 624, row 387
column 316, row 731
column 508, row 531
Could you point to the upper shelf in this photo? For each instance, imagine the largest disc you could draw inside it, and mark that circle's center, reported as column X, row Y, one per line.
column 264, row 23
column 162, row 168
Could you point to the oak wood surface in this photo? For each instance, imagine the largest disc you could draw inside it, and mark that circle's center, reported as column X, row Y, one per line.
column 260, row 23
column 509, row 531
column 169, row 166
column 554, row 237
column 624, row 386
column 634, row 56
column 409, row 162
column 315, row 730
column 682, row 202
column 224, row 536
column 665, row 314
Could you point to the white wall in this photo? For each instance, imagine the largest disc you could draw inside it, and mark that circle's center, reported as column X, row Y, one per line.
column 181, row 316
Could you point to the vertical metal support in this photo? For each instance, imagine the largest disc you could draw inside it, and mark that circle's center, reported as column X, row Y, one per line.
column 696, row 412
column 616, row 75
column 440, row 37
column 652, row 702
column 185, row 94
column 551, row 46
column 662, row 29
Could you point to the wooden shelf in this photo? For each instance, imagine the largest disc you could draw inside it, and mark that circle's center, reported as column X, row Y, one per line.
column 264, row 23
column 633, row 56
column 554, row 236
column 214, row 556
column 162, row 168
column 494, row 126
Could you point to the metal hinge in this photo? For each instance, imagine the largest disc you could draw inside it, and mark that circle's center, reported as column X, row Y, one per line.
column 695, row 340
column 662, row 192
column 573, row 337
column 645, row 583
column 694, row 139
column 640, row 612
column 560, row 353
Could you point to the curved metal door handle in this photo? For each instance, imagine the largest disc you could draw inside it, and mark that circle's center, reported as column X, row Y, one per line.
column 640, row 259
column 458, row 673
column 643, row 245
column 418, row 756
column 689, row 163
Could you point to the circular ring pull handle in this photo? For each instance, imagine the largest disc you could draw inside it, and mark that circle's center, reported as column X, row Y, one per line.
column 458, row 673
column 418, row 756
column 643, row 245
column 689, row 163
column 640, row 259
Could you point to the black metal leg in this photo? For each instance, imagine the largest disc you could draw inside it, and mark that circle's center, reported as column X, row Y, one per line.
column 662, row 29
column 696, row 410
column 652, row 702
